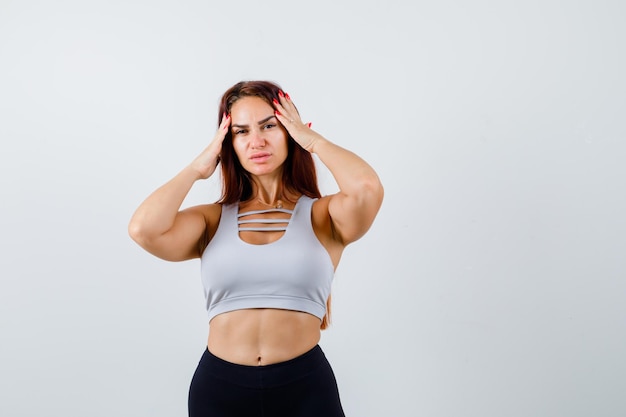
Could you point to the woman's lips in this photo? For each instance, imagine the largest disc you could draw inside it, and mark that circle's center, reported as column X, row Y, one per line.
column 260, row 157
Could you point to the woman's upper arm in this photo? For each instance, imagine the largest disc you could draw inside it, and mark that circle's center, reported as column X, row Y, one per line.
column 184, row 239
column 353, row 215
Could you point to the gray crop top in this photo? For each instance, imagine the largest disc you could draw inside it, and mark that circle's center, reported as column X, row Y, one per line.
column 294, row 273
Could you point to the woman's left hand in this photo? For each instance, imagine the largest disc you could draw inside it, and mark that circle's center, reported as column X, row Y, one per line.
column 289, row 117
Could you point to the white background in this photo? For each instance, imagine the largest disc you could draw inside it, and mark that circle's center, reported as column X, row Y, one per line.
column 492, row 282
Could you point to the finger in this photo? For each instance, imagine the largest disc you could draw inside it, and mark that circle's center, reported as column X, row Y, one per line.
column 286, row 101
column 286, row 109
column 282, row 119
column 278, row 106
column 225, row 121
column 285, row 95
column 287, row 104
column 286, row 119
column 280, row 110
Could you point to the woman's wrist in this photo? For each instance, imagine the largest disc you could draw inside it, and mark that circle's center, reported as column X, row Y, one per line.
column 313, row 143
column 309, row 147
column 190, row 171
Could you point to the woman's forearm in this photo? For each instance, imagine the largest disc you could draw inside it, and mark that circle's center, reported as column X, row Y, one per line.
column 156, row 215
column 354, row 176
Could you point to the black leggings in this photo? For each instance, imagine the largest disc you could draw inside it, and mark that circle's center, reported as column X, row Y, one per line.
column 301, row 387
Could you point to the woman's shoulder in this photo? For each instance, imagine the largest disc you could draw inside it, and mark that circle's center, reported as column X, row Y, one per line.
column 321, row 203
column 320, row 216
column 210, row 212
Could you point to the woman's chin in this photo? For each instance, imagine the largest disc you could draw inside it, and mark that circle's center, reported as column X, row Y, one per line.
column 262, row 170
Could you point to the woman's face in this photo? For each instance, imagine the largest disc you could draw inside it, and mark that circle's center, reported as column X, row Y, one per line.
column 259, row 140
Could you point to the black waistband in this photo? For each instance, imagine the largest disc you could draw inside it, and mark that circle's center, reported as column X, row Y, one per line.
column 264, row 376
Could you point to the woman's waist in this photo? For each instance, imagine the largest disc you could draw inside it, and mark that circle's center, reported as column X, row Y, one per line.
column 262, row 336
column 265, row 376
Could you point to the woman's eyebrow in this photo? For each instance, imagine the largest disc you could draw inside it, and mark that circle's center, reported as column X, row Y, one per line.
column 266, row 119
column 260, row 122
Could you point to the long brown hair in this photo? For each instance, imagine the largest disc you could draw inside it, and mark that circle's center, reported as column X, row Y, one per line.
column 299, row 175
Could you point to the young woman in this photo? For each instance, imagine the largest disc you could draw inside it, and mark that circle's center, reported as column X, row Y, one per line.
column 268, row 251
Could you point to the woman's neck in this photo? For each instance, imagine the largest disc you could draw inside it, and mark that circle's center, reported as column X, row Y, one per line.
column 271, row 193
column 268, row 191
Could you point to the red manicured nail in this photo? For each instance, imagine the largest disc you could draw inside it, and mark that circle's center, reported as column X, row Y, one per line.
column 280, row 93
column 275, row 101
column 277, row 113
column 287, row 96
column 228, row 116
column 309, row 124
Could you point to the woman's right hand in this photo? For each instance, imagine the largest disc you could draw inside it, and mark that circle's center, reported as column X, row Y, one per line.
column 207, row 161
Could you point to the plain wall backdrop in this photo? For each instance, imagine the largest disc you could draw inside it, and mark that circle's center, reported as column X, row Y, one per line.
column 492, row 282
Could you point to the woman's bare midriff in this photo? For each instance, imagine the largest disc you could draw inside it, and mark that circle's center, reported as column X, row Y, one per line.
column 262, row 336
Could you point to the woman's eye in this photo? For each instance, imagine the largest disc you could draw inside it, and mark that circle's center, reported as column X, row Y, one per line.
column 239, row 131
column 269, row 126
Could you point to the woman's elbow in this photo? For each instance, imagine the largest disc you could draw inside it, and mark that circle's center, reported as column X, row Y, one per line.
column 373, row 190
column 137, row 232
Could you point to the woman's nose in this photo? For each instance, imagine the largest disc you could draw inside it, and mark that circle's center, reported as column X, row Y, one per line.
column 257, row 140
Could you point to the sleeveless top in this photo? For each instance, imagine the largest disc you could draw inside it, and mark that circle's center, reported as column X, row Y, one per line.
column 294, row 272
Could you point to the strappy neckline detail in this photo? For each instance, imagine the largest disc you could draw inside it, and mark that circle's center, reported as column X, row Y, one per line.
column 274, row 210
column 282, row 224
